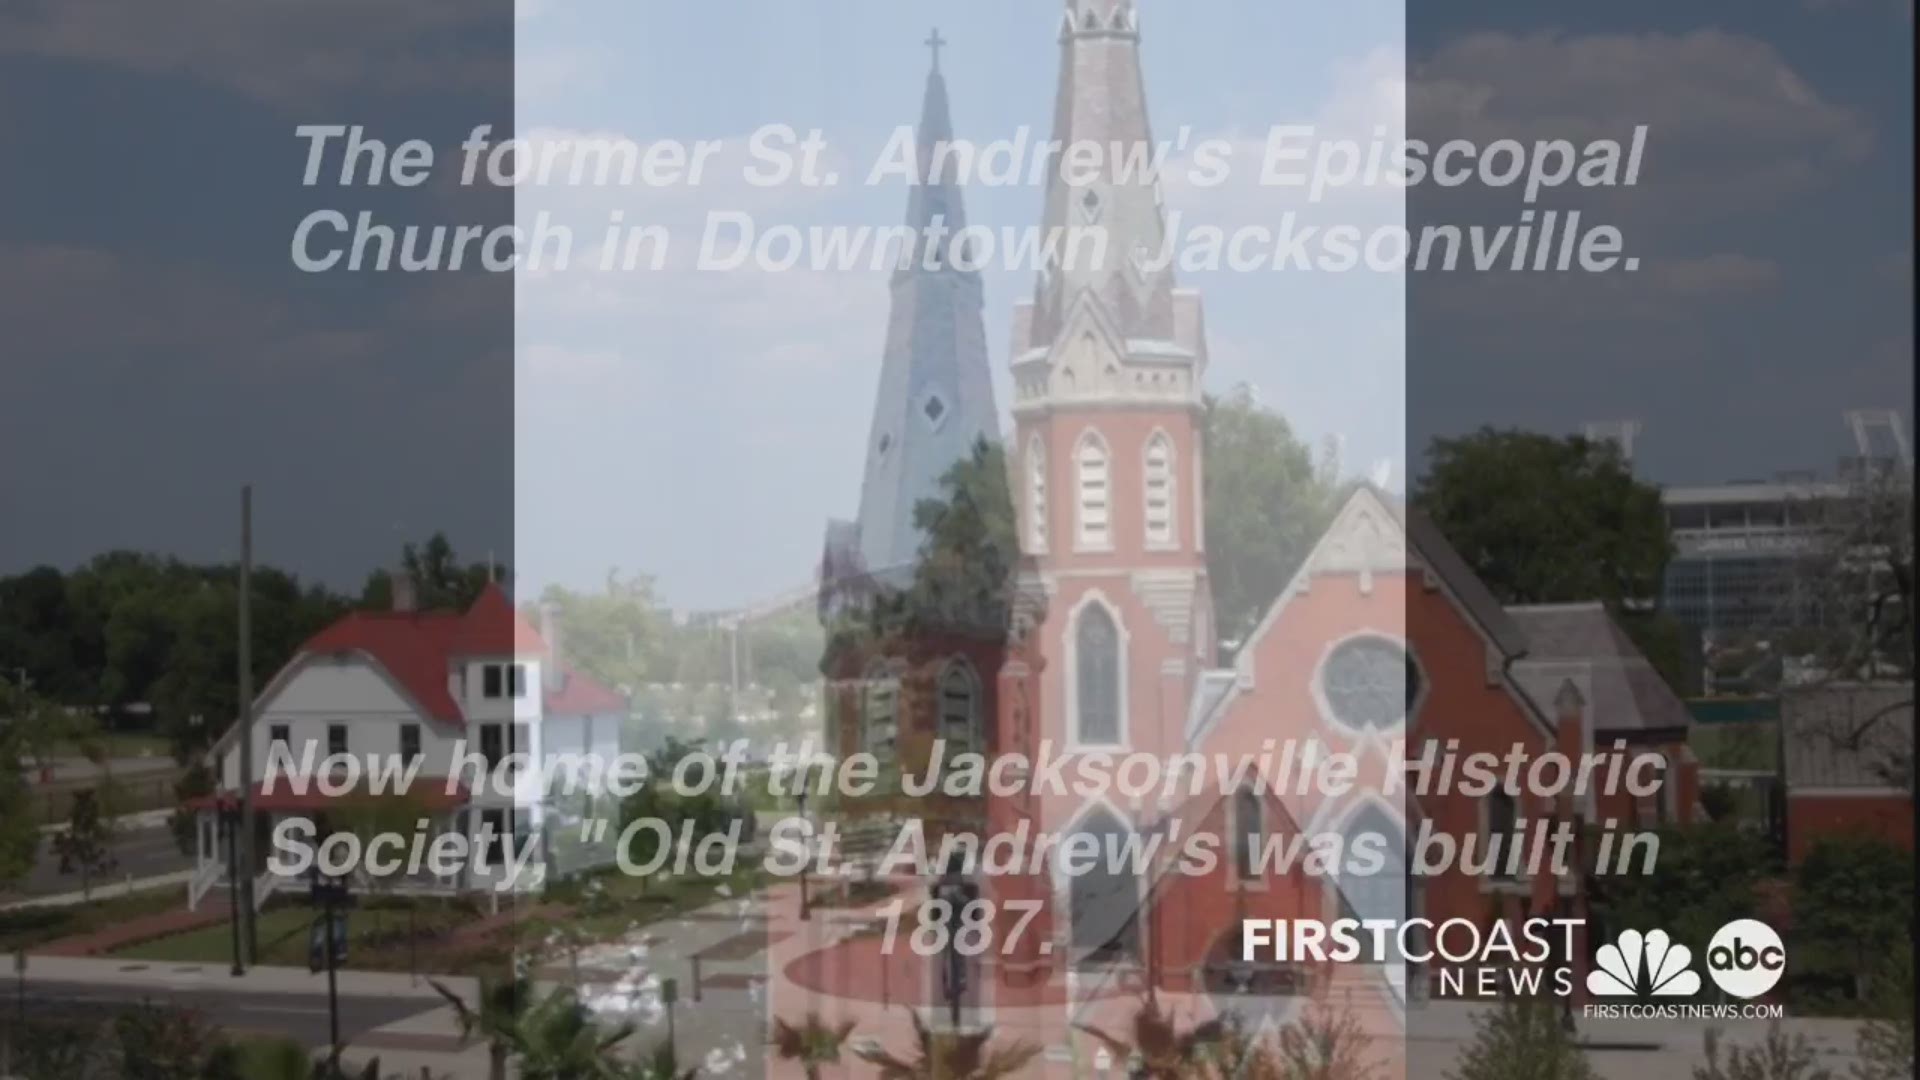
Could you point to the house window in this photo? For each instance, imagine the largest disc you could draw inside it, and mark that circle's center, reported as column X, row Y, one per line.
column 336, row 738
column 1159, row 490
column 1369, row 682
column 279, row 736
column 959, row 708
column 409, row 742
column 492, row 682
column 1037, row 494
column 516, row 681
column 1097, row 677
column 1249, row 832
column 1503, row 815
column 880, row 712
column 497, row 825
column 490, row 749
column 519, row 739
column 1095, row 503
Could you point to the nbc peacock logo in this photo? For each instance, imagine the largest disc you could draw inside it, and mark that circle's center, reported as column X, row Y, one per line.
column 1643, row 965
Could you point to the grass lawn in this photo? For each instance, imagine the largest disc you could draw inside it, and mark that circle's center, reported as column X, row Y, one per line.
column 26, row 928
column 382, row 938
column 378, row 936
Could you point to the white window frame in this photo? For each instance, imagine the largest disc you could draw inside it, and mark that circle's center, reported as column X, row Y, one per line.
column 1037, row 494
column 1093, row 493
column 1162, row 525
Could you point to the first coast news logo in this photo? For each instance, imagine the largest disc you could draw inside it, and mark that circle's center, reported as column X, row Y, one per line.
column 1745, row 959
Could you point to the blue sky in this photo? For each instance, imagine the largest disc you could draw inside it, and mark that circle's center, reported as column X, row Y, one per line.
column 702, row 428
column 741, row 405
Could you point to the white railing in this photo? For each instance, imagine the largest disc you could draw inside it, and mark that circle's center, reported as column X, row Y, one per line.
column 264, row 887
column 203, row 881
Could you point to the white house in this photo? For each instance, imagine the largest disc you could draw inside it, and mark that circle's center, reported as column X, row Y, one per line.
column 385, row 689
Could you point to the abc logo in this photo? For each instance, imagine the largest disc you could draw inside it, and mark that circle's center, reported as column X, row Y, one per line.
column 1746, row 958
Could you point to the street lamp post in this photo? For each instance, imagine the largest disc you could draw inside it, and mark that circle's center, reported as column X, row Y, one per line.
column 806, row 909
column 329, row 938
column 954, row 888
column 227, row 810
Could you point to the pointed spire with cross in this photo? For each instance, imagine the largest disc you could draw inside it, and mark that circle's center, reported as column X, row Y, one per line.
column 935, row 42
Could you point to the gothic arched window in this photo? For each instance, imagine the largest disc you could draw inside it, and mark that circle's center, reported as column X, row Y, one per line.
column 1095, row 503
column 1105, row 898
column 1036, row 494
column 1249, row 831
column 1097, row 675
column 1159, row 490
column 960, row 709
column 880, row 712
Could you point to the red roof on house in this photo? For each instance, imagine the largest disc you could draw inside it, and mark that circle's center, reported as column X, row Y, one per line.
column 582, row 694
column 413, row 647
column 418, row 649
column 493, row 627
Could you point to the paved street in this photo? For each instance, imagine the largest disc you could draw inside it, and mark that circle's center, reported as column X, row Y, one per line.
column 238, row 1009
column 140, row 853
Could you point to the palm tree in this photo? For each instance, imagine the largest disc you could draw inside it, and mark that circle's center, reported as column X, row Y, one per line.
column 559, row 1039
column 1160, row 1049
column 553, row 1038
column 951, row 1056
column 812, row 1044
column 496, row 1018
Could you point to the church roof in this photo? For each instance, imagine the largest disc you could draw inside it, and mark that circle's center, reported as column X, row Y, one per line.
column 935, row 395
column 1102, row 101
column 1584, row 641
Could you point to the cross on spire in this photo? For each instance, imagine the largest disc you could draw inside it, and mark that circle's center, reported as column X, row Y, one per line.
column 936, row 43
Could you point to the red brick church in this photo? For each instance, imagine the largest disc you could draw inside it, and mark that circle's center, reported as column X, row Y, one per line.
column 1108, row 645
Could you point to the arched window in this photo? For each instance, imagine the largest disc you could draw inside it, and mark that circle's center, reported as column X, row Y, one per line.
column 1105, row 898
column 1249, row 831
column 1381, row 894
column 1094, row 508
column 960, row 709
column 1037, row 494
column 880, row 712
column 1097, row 677
column 1159, row 490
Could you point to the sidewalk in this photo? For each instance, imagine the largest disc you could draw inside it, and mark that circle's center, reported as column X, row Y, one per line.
column 102, row 892
column 160, row 975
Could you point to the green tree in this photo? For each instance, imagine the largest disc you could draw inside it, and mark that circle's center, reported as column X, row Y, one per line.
column 812, row 1044
column 969, row 1055
column 1543, row 519
column 1886, row 1044
column 156, row 1043
column 85, row 846
column 1778, row 1058
column 1267, row 502
column 1521, row 1039
column 1705, row 877
column 1852, row 895
column 441, row 581
column 1158, row 1046
column 494, row 1016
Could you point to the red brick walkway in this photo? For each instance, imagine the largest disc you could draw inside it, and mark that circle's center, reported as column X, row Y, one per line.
column 134, row 931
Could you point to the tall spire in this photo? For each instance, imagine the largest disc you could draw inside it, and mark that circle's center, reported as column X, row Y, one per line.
column 935, row 398
column 1102, row 100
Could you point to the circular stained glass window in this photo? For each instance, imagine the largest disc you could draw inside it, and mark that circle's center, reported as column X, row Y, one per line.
column 1370, row 683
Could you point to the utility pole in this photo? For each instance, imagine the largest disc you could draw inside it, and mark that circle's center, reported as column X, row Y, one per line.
column 245, row 721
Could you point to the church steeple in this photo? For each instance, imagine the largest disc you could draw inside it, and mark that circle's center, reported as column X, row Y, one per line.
column 1102, row 100
column 935, row 397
